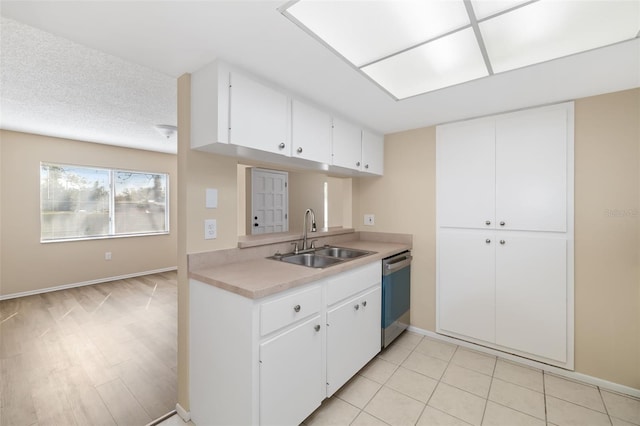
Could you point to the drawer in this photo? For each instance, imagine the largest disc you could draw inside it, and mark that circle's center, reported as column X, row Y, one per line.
column 288, row 309
column 352, row 282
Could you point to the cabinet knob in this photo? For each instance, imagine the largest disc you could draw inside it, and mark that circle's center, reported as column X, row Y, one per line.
column 299, row 150
column 281, row 146
column 296, row 308
column 364, row 304
column 356, row 307
column 488, row 223
column 358, row 164
column 366, row 166
column 317, row 327
column 488, row 241
column 502, row 242
column 502, row 223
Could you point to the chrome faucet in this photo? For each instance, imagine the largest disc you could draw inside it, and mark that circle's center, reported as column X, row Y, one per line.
column 313, row 227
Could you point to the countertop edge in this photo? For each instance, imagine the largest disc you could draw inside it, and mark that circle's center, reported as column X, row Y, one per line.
column 283, row 276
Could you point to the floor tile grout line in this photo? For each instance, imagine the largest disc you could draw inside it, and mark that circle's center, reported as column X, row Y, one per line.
column 486, row 401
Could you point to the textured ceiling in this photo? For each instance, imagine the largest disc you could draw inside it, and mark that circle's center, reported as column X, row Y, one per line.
column 56, row 87
column 105, row 71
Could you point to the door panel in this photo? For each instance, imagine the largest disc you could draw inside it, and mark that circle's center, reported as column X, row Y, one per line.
column 531, row 171
column 466, row 289
column 465, row 174
column 346, row 145
column 269, row 201
column 310, row 133
column 531, row 295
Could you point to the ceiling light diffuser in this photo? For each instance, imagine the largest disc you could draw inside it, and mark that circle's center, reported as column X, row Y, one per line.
column 411, row 47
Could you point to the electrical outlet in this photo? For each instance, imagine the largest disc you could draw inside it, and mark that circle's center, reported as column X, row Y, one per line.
column 210, row 229
column 369, row 219
column 107, row 255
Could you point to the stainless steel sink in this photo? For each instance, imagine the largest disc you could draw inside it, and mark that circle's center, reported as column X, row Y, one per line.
column 311, row 260
column 341, row 252
column 321, row 257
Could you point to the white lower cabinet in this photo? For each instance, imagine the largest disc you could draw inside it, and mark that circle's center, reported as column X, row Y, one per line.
column 506, row 290
column 272, row 361
column 466, row 296
column 290, row 374
column 353, row 337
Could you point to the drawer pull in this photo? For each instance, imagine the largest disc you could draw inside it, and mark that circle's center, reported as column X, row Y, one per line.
column 296, row 308
column 317, row 327
column 502, row 242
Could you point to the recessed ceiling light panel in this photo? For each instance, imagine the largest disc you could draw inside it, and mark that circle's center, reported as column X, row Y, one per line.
column 411, row 47
column 443, row 62
column 546, row 30
column 366, row 31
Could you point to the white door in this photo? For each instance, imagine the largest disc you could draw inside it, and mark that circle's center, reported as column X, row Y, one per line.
column 465, row 174
column 269, row 201
column 353, row 337
column 310, row 133
column 291, row 384
column 466, row 283
column 346, row 145
column 531, row 170
column 258, row 116
column 531, row 295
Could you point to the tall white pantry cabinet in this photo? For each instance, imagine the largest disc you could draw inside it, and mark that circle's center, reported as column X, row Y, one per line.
column 505, row 232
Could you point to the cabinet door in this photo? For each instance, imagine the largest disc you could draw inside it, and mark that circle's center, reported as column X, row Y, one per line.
column 531, row 170
column 531, row 295
column 466, row 288
column 353, row 337
column 310, row 133
column 465, row 174
column 372, row 153
column 258, row 116
column 346, row 145
column 291, row 385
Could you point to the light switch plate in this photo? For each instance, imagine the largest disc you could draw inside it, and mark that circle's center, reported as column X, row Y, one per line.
column 210, row 229
column 211, row 201
column 369, row 219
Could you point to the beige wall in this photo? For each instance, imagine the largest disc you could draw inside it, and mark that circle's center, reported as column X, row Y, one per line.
column 196, row 172
column 403, row 201
column 607, row 246
column 27, row 264
column 607, row 215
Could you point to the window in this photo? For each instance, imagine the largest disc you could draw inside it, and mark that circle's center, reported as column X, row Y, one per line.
column 79, row 202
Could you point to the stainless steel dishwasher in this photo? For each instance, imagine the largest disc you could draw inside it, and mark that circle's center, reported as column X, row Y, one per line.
column 396, row 295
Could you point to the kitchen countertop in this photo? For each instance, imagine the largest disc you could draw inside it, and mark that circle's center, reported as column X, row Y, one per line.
column 260, row 277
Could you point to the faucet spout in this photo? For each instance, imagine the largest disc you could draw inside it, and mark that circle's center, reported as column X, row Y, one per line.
column 314, row 228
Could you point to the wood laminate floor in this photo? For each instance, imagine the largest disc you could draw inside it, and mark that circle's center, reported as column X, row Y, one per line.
column 104, row 354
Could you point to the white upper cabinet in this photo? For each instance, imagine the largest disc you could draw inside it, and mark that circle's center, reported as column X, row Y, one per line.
column 258, row 116
column 310, row 133
column 531, row 170
column 372, row 153
column 235, row 114
column 347, row 144
column 508, row 172
column 465, row 171
column 356, row 148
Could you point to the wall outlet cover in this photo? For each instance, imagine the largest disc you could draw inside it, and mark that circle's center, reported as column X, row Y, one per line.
column 369, row 219
column 210, row 229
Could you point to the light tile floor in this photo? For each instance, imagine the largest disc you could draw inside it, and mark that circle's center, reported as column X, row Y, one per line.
column 425, row 382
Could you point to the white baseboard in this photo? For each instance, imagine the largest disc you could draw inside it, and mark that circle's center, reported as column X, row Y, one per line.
column 604, row 384
column 184, row 414
column 81, row 284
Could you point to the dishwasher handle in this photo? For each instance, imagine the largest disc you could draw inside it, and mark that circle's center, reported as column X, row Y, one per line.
column 393, row 264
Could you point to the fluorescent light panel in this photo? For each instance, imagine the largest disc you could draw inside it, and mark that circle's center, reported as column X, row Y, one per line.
column 411, row 47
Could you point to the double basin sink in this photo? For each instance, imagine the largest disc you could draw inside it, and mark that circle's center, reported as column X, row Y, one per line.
column 321, row 257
